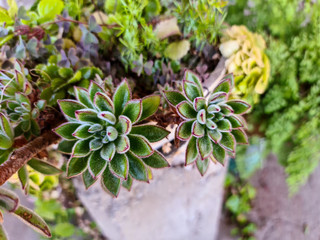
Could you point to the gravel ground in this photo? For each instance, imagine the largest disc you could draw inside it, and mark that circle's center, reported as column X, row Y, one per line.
column 278, row 216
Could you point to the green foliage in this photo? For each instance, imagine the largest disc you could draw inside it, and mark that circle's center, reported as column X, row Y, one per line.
column 212, row 126
column 200, row 19
column 59, row 81
column 105, row 140
column 289, row 108
column 9, row 202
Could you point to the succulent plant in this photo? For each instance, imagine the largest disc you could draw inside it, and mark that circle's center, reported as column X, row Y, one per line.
column 6, row 138
column 58, row 81
column 211, row 126
column 104, row 139
column 246, row 59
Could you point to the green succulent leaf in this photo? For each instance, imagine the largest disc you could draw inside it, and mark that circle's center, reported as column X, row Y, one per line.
column 228, row 142
column 87, row 179
column 199, row 103
column 87, row 115
column 150, row 105
column 198, row 130
column 94, row 88
column 121, row 96
column 215, row 135
column 82, row 132
column 184, row 130
column 103, row 102
column 133, row 110
column 23, row 175
column 202, row 165
column 186, row 110
column 226, row 109
column 69, row 107
column 83, row 97
column 223, row 86
column 5, row 142
column 76, row 166
column 202, row 116
column 128, row 183
column 217, row 97
column 81, row 148
column 96, row 164
column 137, row 169
column 156, row 160
column 8, row 200
column 95, row 144
column 66, row 146
column 66, row 130
column 194, row 78
column 5, row 126
column 110, row 183
column 33, row 219
column 174, row 97
column 211, row 125
column 238, row 106
column 124, row 125
column 108, row 151
column 204, row 147
column 107, row 116
column 119, row 165
column 218, row 153
column 224, row 125
column 152, row 133
column 122, row 144
column 140, row 146
column 235, row 121
column 191, row 90
column 192, row 151
column 5, row 155
column 44, row 167
column 240, row 136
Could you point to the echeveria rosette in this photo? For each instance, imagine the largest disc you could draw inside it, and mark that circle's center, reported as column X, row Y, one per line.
column 211, row 125
column 104, row 139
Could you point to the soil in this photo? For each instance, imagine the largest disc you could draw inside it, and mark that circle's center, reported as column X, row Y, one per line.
column 278, row 216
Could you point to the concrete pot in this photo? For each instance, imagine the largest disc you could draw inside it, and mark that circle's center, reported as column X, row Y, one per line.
column 177, row 204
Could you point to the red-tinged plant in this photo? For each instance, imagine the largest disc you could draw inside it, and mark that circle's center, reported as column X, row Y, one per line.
column 211, row 125
column 104, row 139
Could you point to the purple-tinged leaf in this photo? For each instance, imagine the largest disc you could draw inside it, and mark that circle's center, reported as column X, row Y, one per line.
column 184, row 130
column 186, row 110
column 235, row 121
column 119, row 165
column 199, row 103
column 226, row 109
column 198, row 130
column 174, row 97
column 202, row 116
column 121, row 96
column 211, row 124
column 217, row 97
column 156, row 160
column 107, row 116
column 194, row 78
column 8, row 200
column 93, row 26
column 213, row 109
column 88, row 179
column 223, row 86
column 152, row 133
column 110, row 183
column 124, row 125
column 215, row 136
column 128, row 183
column 33, row 220
column 81, row 148
column 238, row 106
column 93, row 89
column 122, row 144
column 87, row 115
column 82, row 132
column 112, row 133
column 140, row 146
column 82, row 96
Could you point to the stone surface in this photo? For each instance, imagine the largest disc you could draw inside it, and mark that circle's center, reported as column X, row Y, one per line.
column 177, row 204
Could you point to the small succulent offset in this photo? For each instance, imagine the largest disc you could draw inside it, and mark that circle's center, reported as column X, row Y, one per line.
column 103, row 139
column 211, row 126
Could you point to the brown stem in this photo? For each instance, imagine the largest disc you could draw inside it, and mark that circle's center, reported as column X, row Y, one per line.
column 22, row 155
